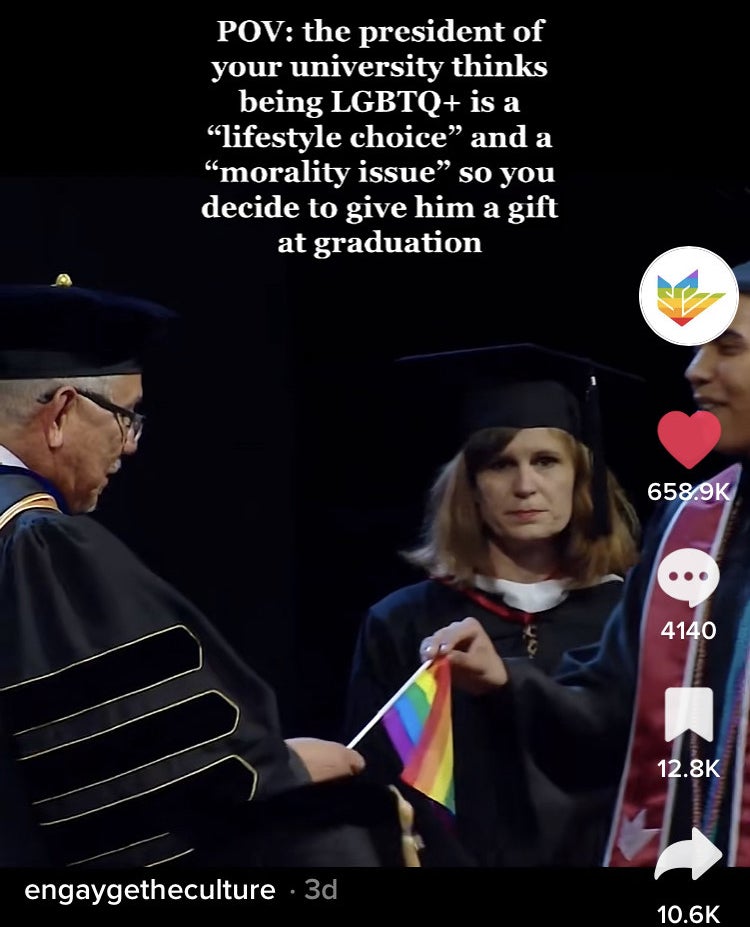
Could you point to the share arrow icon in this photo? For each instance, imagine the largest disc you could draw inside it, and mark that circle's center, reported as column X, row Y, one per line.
column 698, row 854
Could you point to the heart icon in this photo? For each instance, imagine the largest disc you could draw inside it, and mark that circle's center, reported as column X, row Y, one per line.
column 689, row 438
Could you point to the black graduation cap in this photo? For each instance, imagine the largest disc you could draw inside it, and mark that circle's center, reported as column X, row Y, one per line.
column 66, row 331
column 528, row 386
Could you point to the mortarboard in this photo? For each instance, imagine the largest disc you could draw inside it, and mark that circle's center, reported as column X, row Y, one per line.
column 66, row 331
column 527, row 386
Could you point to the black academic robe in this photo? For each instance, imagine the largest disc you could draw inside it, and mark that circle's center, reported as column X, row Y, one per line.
column 508, row 813
column 131, row 734
column 578, row 732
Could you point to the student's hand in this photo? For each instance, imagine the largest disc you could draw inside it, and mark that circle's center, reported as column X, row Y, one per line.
column 475, row 664
column 326, row 759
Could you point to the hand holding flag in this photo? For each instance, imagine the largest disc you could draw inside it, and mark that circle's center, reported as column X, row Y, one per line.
column 475, row 665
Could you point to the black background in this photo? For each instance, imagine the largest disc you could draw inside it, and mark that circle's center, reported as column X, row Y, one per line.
column 283, row 466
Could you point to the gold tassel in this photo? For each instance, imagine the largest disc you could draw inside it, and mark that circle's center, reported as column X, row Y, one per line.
column 411, row 843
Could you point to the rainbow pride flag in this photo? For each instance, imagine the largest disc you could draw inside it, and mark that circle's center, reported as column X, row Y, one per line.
column 419, row 724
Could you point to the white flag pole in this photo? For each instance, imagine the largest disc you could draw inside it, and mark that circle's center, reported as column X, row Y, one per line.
column 389, row 704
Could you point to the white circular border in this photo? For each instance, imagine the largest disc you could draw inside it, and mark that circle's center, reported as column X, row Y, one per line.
column 714, row 276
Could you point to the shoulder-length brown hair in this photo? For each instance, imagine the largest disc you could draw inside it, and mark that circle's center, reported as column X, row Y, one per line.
column 454, row 543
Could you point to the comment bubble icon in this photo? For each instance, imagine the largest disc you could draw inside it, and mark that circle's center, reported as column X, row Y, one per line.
column 688, row 574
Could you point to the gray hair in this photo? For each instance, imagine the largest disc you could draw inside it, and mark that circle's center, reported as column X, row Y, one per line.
column 19, row 399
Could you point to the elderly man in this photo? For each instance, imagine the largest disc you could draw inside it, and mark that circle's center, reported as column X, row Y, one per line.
column 606, row 721
column 130, row 733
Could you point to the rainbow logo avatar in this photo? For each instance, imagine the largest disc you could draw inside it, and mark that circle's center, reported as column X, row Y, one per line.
column 682, row 302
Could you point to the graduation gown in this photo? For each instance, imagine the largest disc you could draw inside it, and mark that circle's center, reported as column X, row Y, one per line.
column 582, row 733
column 508, row 813
column 131, row 734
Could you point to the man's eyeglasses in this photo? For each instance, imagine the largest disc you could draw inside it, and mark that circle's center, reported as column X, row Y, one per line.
column 130, row 422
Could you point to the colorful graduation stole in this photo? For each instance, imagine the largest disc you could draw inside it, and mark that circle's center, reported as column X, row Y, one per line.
column 643, row 816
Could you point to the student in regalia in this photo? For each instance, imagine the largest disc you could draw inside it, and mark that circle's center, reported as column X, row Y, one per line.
column 528, row 531
column 603, row 721
column 131, row 734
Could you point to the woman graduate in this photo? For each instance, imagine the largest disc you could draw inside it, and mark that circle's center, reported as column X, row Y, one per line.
column 531, row 534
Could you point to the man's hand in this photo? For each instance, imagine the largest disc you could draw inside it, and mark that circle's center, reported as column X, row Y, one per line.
column 475, row 664
column 326, row 759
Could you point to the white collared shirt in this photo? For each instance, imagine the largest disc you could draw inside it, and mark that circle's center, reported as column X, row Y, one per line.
column 9, row 459
column 532, row 597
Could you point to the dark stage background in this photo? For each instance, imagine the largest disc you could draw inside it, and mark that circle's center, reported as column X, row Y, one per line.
column 284, row 465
